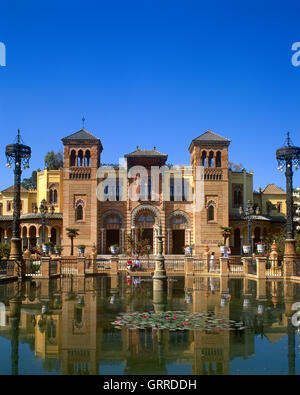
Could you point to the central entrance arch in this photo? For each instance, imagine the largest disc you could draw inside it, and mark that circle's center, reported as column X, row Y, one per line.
column 147, row 218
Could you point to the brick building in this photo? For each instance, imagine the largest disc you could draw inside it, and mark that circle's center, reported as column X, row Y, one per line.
column 107, row 202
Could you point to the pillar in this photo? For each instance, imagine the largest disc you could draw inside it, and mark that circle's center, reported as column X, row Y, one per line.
column 261, row 267
column 224, row 266
column 168, row 240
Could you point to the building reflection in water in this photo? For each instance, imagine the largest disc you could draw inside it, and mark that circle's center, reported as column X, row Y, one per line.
column 67, row 323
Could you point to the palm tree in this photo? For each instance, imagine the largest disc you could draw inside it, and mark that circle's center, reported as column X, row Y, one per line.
column 226, row 232
column 72, row 233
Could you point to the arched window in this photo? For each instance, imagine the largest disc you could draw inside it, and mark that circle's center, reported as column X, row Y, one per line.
column 72, row 158
column 80, row 158
column 211, row 159
column 211, row 213
column 79, row 210
column 51, row 196
column 79, row 213
column 55, row 196
column 145, row 218
column 87, row 158
column 218, row 159
column 235, row 197
column 178, row 220
column 203, row 159
column 239, row 197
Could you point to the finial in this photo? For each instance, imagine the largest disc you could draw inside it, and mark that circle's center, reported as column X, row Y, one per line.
column 288, row 138
column 19, row 137
column 83, row 120
column 154, row 148
column 137, row 148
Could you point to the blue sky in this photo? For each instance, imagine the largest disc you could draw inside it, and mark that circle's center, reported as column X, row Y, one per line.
column 151, row 73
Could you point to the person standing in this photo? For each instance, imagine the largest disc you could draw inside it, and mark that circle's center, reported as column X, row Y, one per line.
column 212, row 266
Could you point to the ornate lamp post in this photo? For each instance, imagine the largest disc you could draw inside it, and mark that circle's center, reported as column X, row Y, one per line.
column 19, row 155
column 248, row 215
column 160, row 277
column 287, row 157
column 298, row 209
column 44, row 210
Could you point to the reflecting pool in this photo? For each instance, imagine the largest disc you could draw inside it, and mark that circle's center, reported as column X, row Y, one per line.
column 65, row 326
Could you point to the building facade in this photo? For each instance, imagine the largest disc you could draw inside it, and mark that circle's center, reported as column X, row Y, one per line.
column 105, row 203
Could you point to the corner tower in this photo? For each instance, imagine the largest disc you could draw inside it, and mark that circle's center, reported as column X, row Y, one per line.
column 82, row 153
column 210, row 151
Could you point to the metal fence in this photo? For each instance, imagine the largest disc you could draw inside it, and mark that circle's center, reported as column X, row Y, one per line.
column 297, row 267
column 6, row 268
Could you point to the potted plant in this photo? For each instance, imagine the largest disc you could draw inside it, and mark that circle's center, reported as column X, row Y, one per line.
column 260, row 247
column 188, row 249
column 46, row 247
column 114, row 249
column 58, row 249
column 246, row 248
column 81, row 248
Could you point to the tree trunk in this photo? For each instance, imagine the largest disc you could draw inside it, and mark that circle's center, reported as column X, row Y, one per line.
column 72, row 246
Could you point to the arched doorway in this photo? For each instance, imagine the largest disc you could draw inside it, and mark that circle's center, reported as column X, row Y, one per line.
column 179, row 232
column 145, row 225
column 236, row 241
column 53, row 237
column 32, row 237
column 257, row 234
column 112, row 226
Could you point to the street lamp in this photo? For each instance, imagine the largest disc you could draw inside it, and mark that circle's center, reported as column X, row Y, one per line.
column 17, row 154
column 298, row 209
column 44, row 210
column 248, row 215
column 287, row 157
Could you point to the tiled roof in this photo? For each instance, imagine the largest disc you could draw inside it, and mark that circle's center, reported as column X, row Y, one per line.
column 81, row 135
column 11, row 189
column 139, row 152
column 210, row 136
column 273, row 189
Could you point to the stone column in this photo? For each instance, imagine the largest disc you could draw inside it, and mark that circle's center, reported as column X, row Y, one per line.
column 26, row 258
column 261, row 267
column 206, row 257
column 81, row 266
column 189, row 236
column 188, row 265
column 45, row 267
column 224, row 266
column 114, row 261
column 168, row 240
column 155, row 241
column 122, row 240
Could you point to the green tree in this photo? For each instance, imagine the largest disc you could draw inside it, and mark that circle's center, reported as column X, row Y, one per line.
column 137, row 246
column 235, row 167
column 31, row 182
column 72, row 233
column 54, row 161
